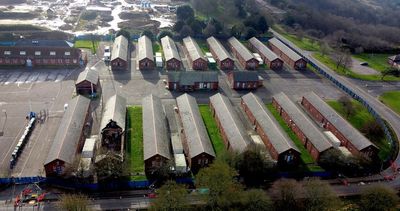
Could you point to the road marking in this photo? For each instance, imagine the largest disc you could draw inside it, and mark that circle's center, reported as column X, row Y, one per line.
column 32, row 77
column 13, row 77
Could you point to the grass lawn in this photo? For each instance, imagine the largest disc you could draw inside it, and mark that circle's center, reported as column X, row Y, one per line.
column 358, row 119
column 156, row 47
column 134, row 145
column 325, row 59
column 303, row 43
column 203, row 45
column 212, row 130
column 87, row 44
column 305, row 155
column 392, row 100
column 375, row 61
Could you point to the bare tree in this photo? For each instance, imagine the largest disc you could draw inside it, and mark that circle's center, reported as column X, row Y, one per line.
column 348, row 106
column 324, row 48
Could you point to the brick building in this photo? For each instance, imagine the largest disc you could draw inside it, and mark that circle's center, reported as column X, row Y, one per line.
column 145, row 55
column 280, row 146
column 43, row 53
column 172, row 59
column 197, row 144
column 240, row 80
column 120, row 54
column 311, row 137
column 232, row 129
column 223, row 59
column 191, row 80
column 290, row 57
column 349, row 137
column 88, row 82
column 270, row 58
column 195, row 57
column 243, row 55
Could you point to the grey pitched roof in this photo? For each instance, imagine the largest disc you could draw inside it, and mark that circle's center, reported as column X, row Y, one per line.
column 43, row 43
column 241, row 49
column 190, row 77
column 310, row 130
column 264, row 50
column 88, row 75
column 352, row 134
column 114, row 109
column 155, row 134
column 195, row 131
column 395, row 58
column 230, row 122
column 285, row 49
column 120, row 48
column 244, row 76
column 169, row 49
column 218, row 48
column 66, row 141
column 277, row 137
column 145, row 48
column 193, row 49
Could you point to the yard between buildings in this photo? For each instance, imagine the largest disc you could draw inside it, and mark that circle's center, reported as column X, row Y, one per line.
column 305, row 156
column 156, row 47
column 203, row 45
column 87, row 44
column 212, row 130
column 134, row 144
column 358, row 119
column 392, row 100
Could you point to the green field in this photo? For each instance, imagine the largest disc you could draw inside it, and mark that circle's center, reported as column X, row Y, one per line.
column 156, row 47
column 392, row 100
column 87, row 44
column 305, row 155
column 358, row 119
column 212, row 130
column 134, row 144
column 375, row 61
column 304, row 43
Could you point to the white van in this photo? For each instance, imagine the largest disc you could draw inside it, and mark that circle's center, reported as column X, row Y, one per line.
column 107, row 53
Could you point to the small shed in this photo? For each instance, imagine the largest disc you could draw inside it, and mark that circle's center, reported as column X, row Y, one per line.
column 88, row 82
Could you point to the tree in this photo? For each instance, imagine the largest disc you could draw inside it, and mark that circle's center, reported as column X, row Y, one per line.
column 148, row 34
column 109, row 165
column 348, row 106
column 319, row 196
column 75, row 202
column 324, row 48
column 347, row 60
column 372, row 130
column 237, row 30
column 184, row 12
column 197, row 26
column 186, row 31
column 393, row 71
column 164, row 33
column 255, row 199
column 124, row 33
column 223, row 190
column 378, row 198
column 253, row 166
column 209, row 30
column 250, row 32
column 286, row 192
column 262, row 24
column 178, row 26
column 171, row 196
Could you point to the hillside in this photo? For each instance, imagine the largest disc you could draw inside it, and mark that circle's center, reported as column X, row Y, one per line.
column 367, row 24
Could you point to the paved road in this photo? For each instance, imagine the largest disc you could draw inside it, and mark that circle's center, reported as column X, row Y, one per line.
column 391, row 117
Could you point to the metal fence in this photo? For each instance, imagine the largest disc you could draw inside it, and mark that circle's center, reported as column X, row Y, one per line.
column 349, row 91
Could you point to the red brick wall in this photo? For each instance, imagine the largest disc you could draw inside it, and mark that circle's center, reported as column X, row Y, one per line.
column 199, row 64
column 204, row 159
column 173, row 64
column 276, row 64
column 85, row 87
column 226, row 64
column 123, row 65
column 146, row 64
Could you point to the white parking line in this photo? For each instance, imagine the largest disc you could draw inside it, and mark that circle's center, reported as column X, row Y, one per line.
column 42, row 77
column 52, row 76
column 13, row 77
column 22, row 78
column 32, row 77
column 60, row 77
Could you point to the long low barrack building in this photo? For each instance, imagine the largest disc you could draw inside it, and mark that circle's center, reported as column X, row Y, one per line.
column 270, row 58
column 279, row 145
column 196, row 57
column 308, row 133
column 349, row 137
column 244, row 56
column 145, row 53
column 290, row 57
column 69, row 138
column 224, row 60
column 196, row 142
column 120, row 54
column 172, row 59
column 156, row 142
column 232, row 129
